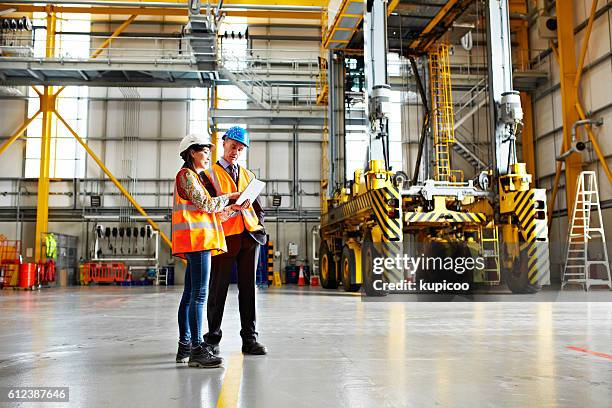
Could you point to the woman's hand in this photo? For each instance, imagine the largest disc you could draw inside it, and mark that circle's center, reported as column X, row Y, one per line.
column 226, row 213
column 234, row 196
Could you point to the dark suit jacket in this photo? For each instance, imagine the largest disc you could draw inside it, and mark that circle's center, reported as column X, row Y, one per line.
column 260, row 236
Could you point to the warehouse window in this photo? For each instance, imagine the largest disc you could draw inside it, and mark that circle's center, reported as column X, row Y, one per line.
column 230, row 97
column 235, row 56
column 198, row 110
column 67, row 156
column 357, row 139
column 395, row 132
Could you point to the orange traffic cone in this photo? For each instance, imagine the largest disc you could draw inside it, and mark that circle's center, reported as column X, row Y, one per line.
column 314, row 280
column 301, row 281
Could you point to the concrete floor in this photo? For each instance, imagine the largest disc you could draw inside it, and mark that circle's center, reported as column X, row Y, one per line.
column 114, row 346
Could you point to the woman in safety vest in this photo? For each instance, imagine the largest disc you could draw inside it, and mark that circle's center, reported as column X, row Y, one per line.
column 197, row 234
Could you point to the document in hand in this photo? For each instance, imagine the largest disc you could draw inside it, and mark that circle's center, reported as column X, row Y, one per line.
column 251, row 191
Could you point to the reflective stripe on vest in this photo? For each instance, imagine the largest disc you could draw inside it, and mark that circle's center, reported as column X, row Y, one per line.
column 224, row 184
column 183, row 226
column 193, row 229
column 186, row 207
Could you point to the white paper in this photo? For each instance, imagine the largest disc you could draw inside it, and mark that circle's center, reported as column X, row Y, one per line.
column 251, row 191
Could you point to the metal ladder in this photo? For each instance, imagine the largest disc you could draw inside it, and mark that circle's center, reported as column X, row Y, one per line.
column 162, row 277
column 489, row 248
column 322, row 83
column 443, row 123
column 584, row 229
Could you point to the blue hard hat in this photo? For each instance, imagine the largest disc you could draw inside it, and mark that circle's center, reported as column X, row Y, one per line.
column 238, row 134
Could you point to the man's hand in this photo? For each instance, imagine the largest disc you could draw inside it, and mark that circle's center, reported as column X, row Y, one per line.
column 243, row 206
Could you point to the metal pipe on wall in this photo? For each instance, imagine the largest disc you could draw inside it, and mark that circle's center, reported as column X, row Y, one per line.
column 161, row 5
column 295, row 168
column 18, row 226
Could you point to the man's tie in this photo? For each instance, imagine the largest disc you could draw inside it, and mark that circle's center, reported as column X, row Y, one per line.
column 233, row 171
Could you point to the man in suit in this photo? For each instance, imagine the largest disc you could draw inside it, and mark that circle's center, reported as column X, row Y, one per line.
column 244, row 234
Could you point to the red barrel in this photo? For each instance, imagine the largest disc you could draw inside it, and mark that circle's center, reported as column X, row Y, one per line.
column 27, row 275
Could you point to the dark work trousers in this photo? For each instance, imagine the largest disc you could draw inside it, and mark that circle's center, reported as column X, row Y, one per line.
column 242, row 250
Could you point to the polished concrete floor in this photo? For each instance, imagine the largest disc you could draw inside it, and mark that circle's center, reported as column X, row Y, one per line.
column 114, row 346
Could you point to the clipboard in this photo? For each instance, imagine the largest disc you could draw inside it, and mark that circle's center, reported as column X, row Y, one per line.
column 251, row 192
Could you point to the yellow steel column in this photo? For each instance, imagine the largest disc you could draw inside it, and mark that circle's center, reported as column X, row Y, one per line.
column 569, row 96
column 579, row 107
column 47, row 107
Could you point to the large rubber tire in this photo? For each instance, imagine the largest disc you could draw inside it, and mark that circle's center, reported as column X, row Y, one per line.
column 347, row 267
column 517, row 278
column 329, row 278
column 368, row 253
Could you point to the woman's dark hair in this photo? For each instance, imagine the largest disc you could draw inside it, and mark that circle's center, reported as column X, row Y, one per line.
column 186, row 155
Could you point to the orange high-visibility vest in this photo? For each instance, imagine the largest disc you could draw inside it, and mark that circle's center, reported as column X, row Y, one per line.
column 193, row 229
column 224, row 184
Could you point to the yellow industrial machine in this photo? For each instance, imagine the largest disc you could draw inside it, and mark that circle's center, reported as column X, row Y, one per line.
column 358, row 220
column 496, row 218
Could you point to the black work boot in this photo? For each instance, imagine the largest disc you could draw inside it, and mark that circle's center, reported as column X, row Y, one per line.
column 214, row 348
column 182, row 355
column 201, row 357
column 254, row 348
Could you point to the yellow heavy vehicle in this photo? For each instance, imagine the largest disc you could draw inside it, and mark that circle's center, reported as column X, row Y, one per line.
column 358, row 220
column 497, row 217
column 376, row 217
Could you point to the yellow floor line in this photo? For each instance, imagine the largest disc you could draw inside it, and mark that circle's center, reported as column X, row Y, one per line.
column 228, row 397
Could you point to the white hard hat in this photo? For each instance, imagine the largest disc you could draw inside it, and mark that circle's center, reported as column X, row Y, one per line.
column 194, row 139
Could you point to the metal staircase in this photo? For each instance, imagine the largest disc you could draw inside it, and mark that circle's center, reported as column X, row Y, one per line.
column 469, row 104
column 477, row 96
column 467, row 153
column 241, row 74
column 201, row 34
column 585, row 229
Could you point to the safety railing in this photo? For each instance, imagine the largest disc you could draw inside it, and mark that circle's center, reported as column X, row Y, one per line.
column 253, row 85
column 522, row 60
column 250, row 72
column 468, row 99
column 472, row 146
column 82, row 48
column 526, row 60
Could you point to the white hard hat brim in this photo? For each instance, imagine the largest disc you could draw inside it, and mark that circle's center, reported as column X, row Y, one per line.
column 191, row 140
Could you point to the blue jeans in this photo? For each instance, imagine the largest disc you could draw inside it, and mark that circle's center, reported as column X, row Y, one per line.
column 191, row 308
